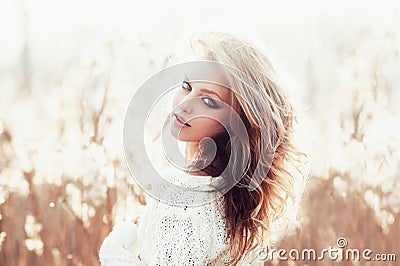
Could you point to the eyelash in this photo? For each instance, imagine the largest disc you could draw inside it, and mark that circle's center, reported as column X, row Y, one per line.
column 186, row 86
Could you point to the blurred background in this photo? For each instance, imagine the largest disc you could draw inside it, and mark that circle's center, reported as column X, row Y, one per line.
column 69, row 68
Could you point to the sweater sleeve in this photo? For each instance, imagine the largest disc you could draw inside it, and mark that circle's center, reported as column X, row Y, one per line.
column 118, row 248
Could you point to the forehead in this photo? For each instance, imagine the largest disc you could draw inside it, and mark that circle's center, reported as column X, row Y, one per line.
column 211, row 76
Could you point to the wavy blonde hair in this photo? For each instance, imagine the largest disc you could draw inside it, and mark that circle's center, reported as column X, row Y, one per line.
column 266, row 107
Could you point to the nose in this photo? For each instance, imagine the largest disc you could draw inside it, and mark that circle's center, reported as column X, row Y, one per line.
column 186, row 105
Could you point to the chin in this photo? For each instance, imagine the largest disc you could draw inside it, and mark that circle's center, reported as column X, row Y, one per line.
column 177, row 136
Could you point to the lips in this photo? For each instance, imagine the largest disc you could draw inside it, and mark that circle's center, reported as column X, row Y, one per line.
column 182, row 120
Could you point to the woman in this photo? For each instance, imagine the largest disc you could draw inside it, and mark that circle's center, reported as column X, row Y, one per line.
column 253, row 168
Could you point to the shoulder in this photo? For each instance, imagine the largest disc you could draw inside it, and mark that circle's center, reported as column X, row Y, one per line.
column 201, row 220
column 206, row 214
column 196, row 233
column 173, row 233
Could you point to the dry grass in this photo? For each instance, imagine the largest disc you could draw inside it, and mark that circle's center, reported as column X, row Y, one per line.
column 63, row 220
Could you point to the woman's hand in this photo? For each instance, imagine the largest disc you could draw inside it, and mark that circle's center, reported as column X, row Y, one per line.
column 136, row 220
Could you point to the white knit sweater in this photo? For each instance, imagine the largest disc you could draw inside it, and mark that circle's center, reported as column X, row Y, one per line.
column 172, row 235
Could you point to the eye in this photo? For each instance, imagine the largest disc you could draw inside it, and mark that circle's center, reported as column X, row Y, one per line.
column 210, row 102
column 186, row 85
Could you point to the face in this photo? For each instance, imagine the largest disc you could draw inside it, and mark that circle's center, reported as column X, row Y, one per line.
column 197, row 109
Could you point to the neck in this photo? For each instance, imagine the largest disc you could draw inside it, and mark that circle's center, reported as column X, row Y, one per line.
column 192, row 150
column 192, row 153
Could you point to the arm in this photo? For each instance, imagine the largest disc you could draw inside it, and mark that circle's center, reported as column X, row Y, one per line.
column 118, row 247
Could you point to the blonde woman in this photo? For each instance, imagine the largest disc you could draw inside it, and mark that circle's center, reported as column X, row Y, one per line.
column 231, row 227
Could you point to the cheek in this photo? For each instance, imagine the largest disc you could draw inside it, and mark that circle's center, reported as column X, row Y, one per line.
column 179, row 96
column 176, row 100
column 219, row 119
column 209, row 124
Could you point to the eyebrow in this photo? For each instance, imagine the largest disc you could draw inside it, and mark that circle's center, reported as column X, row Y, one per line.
column 210, row 91
column 203, row 89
